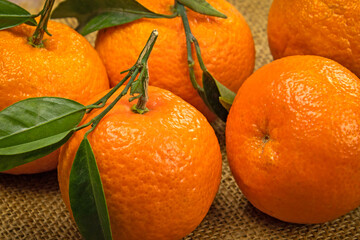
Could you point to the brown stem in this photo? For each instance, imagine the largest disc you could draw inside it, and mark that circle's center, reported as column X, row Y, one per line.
column 37, row 37
column 141, row 104
column 140, row 107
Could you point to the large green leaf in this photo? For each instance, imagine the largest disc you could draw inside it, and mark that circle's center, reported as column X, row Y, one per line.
column 203, row 7
column 94, row 15
column 217, row 96
column 87, row 198
column 35, row 127
column 12, row 15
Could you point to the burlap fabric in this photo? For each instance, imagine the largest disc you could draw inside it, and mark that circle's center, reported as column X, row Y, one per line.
column 31, row 206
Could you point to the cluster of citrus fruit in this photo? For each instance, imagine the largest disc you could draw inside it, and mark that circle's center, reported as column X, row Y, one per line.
column 292, row 134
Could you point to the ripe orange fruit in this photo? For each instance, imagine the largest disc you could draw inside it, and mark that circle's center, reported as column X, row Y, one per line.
column 326, row 28
column 226, row 45
column 292, row 139
column 67, row 66
column 160, row 171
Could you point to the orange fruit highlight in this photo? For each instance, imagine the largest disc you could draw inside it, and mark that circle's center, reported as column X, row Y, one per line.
column 67, row 66
column 160, row 170
column 326, row 28
column 227, row 49
column 292, row 139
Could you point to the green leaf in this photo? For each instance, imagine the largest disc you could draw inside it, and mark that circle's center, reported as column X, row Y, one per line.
column 98, row 14
column 35, row 127
column 213, row 93
column 87, row 198
column 225, row 103
column 12, row 15
column 226, row 95
column 203, row 7
column 136, row 87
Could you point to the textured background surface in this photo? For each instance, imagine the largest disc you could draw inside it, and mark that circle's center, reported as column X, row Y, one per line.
column 31, row 206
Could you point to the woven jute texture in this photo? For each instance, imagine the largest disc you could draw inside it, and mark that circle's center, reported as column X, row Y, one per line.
column 32, row 208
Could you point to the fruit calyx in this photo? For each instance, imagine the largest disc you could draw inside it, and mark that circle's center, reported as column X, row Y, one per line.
column 36, row 40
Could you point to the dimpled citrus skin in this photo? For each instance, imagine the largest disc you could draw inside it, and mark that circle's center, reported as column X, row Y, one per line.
column 160, row 171
column 66, row 67
column 227, row 49
column 326, row 28
column 292, row 139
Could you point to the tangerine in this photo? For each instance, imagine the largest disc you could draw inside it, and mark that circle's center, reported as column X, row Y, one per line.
column 325, row 28
column 67, row 66
column 227, row 49
column 160, row 170
column 292, row 139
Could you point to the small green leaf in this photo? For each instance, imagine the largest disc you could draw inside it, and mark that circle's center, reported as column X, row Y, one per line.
column 203, row 7
column 12, row 15
column 136, row 87
column 87, row 198
column 35, row 127
column 225, row 103
column 213, row 95
column 226, row 96
column 98, row 14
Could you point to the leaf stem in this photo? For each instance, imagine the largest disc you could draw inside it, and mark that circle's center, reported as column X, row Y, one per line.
column 212, row 92
column 36, row 40
column 93, row 122
column 141, row 104
column 189, row 40
column 145, row 53
column 198, row 54
column 144, row 76
column 141, row 66
column 101, row 102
